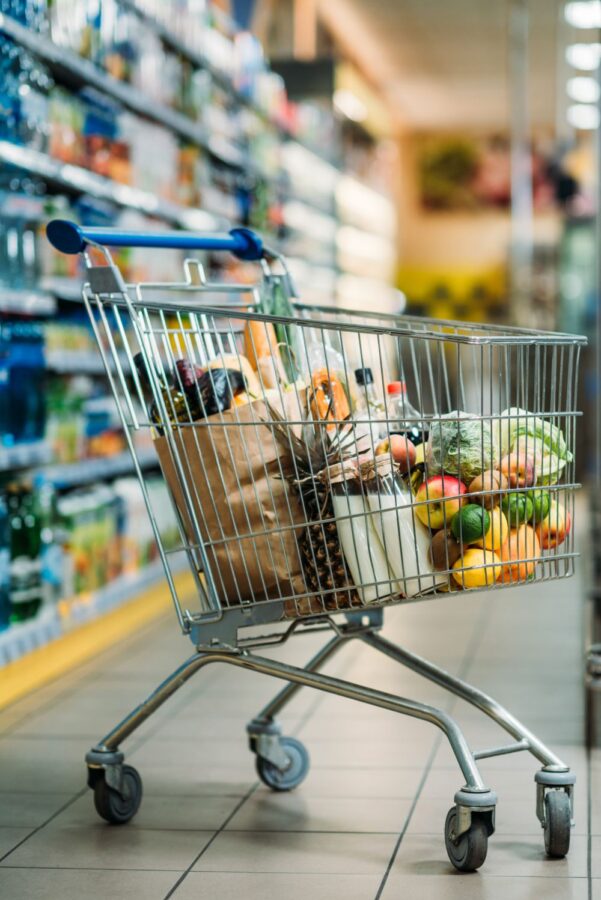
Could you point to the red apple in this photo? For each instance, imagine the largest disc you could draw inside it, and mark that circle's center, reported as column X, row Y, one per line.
column 553, row 530
column 445, row 495
column 519, row 469
column 401, row 449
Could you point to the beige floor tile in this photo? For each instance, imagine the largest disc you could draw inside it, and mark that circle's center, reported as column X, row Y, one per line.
column 181, row 813
column 216, row 727
column 194, row 755
column 83, row 717
column 29, row 810
column 482, row 886
column 234, row 886
column 411, row 752
column 164, row 779
column 10, row 837
column 389, row 726
column 73, row 884
column 47, row 766
column 267, row 811
column 303, row 852
column 596, row 857
column 596, row 800
column 367, row 782
column 101, row 846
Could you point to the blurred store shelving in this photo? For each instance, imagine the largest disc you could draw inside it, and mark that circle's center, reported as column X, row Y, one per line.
column 119, row 113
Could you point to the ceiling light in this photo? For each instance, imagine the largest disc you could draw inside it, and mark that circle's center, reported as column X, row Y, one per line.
column 584, row 14
column 584, row 56
column 583, row 89
column 583, row 117
column 350, row 105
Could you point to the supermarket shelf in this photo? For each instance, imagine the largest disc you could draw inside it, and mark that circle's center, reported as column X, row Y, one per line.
column 25, row 456
column 86, row 471
column 82, row 362
column 175, row 43
column 75, row 178
column 27, row 302
column 62, row 288
column 22, row 638
column 85, row 73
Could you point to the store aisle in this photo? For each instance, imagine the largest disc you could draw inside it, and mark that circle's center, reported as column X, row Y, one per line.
column 368, row 820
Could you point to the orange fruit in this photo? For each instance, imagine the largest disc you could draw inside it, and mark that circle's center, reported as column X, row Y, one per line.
column 519, row 554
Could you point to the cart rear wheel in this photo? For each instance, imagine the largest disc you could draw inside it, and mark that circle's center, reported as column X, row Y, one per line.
column 558, row 823
column 468, row 851
column 118, row 808
column 290, row 777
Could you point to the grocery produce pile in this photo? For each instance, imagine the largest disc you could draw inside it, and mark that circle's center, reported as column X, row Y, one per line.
column 487, row 495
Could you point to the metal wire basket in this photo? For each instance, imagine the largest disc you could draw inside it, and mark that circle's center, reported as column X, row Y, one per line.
column 295, row 496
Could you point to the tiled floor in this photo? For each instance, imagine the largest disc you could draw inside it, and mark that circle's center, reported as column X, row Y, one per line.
column 367, row 822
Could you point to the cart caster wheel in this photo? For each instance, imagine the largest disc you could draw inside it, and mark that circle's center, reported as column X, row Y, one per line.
column 293, row 775
column 468, row 851
column 558, row 824
column 119, row 808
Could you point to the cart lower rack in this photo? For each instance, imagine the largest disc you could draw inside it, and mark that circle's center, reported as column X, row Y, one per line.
column 306, row 502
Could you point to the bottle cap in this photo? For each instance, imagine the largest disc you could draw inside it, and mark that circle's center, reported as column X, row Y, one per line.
column 397, row 387
column 364, row 376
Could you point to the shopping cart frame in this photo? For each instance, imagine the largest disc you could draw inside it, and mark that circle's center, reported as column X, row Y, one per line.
column 283, row 762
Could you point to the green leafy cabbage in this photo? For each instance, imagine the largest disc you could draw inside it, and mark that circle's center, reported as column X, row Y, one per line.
column 520, row 431
column 460, row 444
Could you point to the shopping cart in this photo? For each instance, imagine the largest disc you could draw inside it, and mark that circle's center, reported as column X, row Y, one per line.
column 303, row 507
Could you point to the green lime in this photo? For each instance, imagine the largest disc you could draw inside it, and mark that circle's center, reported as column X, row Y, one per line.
column 541, row 504
column 470, row 523
column 518, row 508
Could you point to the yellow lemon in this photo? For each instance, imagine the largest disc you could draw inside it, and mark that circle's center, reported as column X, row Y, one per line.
column 477, row 568
column 497, row 534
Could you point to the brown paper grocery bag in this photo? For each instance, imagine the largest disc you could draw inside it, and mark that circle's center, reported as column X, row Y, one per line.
column 248, row 516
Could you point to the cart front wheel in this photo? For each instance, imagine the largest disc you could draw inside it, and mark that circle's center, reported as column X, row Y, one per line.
column 115, row 807
column 558, row 823
column 468, row 851
column 290, row 777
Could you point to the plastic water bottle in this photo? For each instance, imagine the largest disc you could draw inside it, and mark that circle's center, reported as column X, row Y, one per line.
column 370, row 405
column 404, row 417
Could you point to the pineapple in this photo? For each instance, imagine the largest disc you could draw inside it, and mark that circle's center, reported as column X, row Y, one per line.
column 324, row 568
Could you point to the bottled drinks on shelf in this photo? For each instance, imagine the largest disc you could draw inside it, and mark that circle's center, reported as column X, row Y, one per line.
column 405, row 418
column 25, row 583
column 64, row 546
column 50, row 542
column 22, row 383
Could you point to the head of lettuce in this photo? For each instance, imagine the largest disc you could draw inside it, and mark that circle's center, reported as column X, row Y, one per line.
column 460, row 444
column 520, row 431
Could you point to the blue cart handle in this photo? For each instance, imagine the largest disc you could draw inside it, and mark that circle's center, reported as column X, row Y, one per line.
column 68, row 237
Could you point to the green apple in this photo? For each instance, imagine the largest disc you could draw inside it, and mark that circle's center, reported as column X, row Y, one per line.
column 518, row 508
column 541, row 504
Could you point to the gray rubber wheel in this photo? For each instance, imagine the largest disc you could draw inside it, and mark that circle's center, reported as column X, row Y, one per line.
column 291, row 777
column 114, row 807
column 468, row 852
column 558, row 819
